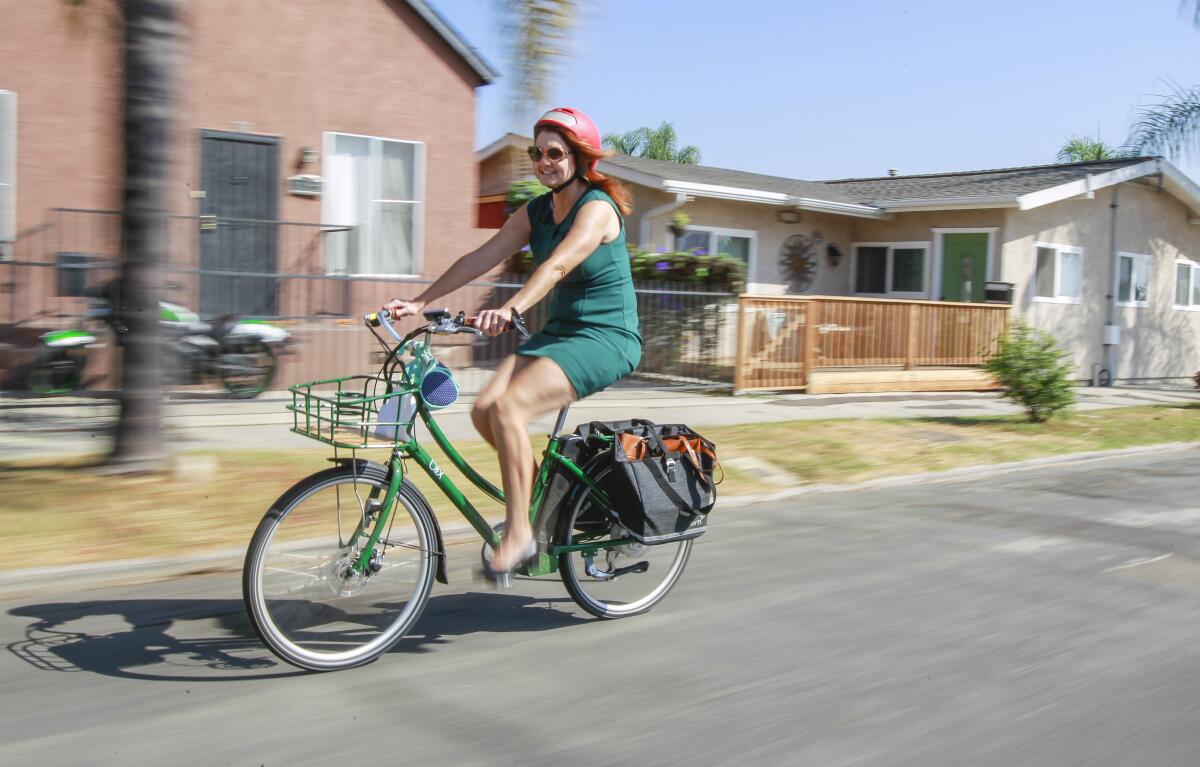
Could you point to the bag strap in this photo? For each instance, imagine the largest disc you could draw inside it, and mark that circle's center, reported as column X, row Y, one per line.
column 681, row 504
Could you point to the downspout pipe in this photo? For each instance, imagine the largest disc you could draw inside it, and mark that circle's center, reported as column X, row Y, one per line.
column 1110, row 327
column 648, row 217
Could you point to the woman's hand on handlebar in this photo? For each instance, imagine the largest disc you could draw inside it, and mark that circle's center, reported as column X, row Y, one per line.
column 401, row 307
column 493, row 322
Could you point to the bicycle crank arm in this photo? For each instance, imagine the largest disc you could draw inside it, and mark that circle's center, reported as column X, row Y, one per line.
column 605, row 575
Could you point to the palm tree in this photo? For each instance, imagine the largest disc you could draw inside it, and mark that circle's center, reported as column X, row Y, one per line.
column 628, row 143
column 1172, row 126
column 151, row 53
column 538, row 32
column 653, row 143
column 1084, row 149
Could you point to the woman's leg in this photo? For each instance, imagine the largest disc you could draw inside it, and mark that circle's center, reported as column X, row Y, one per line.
column 536, row 387
column 481, row 413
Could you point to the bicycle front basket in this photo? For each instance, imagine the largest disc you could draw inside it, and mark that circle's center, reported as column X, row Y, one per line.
column 355, row 412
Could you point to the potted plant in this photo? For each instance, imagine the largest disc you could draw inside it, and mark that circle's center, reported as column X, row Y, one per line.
column 679, row 223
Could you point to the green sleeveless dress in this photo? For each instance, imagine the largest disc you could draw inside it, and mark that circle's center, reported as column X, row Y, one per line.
column 592, row 327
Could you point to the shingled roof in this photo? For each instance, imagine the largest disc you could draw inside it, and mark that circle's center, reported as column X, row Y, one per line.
column 702, row 174
column 1023, row 187
column 974, row 183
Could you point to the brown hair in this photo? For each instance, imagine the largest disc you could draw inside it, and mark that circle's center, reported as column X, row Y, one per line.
column 585, row 155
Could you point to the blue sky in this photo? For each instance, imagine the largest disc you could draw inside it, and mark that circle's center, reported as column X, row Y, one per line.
column 820, row 90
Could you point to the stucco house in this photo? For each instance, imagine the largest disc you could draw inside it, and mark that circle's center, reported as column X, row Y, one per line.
column 1104, row 255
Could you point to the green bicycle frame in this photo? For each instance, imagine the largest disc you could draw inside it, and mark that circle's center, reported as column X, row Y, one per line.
column 551, row 456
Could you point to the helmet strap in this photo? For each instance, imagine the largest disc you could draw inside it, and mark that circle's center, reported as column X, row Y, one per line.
column 568, row 182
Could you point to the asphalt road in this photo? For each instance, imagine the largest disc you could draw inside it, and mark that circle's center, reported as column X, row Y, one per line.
column 1046, row 617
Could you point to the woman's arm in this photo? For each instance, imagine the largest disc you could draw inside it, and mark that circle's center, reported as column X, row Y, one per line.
column 595, row 222
column 513, row 236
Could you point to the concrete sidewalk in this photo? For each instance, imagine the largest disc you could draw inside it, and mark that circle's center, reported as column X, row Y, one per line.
column 78, row 425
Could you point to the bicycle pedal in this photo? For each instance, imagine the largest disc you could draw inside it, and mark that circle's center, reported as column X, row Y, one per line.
column 637, row 567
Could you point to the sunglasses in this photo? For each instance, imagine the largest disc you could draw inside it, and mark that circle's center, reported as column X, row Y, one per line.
column 554, row 154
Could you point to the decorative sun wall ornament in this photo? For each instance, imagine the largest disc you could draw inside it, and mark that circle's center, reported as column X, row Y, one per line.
column 798, row 257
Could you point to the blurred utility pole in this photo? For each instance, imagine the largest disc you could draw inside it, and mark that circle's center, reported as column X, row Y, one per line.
column 151, row 54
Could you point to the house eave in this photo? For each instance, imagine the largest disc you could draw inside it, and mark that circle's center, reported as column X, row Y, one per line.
column 1180, row 185
column 725, row 192
column 455, row 40
column 839, row 208
column 1087, row 185
column 507, row 140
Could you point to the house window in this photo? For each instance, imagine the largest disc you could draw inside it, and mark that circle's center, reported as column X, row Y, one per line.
column 1133, row 279
column 1058, row 273
column 897, row 269
column 1187, row 285
column 8, row 172
column 377, row 186
column 708, row 240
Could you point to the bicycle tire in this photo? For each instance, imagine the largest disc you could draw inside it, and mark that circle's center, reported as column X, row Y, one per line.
column 296, row 578
column 611, row 597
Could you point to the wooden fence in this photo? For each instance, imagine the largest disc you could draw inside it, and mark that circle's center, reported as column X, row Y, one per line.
column 827, row 344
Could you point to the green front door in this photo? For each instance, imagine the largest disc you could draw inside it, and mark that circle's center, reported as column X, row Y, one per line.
column 964, row 266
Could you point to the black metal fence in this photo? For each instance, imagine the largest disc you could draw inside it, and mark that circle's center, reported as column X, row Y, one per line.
column 689, row 335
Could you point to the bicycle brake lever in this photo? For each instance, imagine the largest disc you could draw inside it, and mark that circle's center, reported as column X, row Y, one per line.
column 517, row 323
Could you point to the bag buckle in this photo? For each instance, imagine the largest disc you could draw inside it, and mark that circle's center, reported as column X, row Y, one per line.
column 670, row 466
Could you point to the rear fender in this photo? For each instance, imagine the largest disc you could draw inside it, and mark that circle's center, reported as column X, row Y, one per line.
column 365, row 468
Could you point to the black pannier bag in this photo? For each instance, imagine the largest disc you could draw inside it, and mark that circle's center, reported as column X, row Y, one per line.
column 662, row 483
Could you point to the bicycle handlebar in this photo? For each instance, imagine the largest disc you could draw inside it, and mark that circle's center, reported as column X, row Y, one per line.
column 441, row 323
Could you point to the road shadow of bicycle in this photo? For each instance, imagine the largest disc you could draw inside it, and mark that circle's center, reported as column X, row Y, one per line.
column 211, row 640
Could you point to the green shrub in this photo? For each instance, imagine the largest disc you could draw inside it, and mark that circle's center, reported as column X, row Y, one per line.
column 1030, row 367
column 719, row 273
column 521, row 192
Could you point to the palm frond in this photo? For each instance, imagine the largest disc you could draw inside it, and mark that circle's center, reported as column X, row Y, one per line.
column 1170, row 128
column 689, row 155
column 538, row 32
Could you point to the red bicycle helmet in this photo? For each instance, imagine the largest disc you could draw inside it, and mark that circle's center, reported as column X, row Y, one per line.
column 574, row 122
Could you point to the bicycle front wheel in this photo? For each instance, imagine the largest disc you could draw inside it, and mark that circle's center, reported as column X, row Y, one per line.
column 617, row 582
column 308, row 602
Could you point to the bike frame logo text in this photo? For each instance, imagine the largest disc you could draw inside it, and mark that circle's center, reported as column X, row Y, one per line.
column 435, row 469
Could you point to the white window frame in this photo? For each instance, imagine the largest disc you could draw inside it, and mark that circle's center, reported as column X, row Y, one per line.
column 716, row 231
column 889, row 268
column 327, row 144
column 1136, row 257
column 1059, row 250
column 8, row 174
column 1194, row 278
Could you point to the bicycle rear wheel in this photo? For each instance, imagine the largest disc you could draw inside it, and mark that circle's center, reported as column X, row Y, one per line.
column 306, row 601
column 622, row 581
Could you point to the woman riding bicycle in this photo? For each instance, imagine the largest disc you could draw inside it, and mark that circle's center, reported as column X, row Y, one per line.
column 577, row 235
